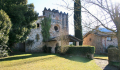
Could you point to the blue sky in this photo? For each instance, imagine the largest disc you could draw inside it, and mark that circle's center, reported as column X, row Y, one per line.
column 53, row 4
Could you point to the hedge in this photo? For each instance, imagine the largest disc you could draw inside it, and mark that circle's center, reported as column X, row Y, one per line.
column 78, row 49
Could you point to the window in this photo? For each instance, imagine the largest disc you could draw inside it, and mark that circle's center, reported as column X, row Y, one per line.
column 109, row 38
column 37, row 25
column 56, row 28
column 53, row 15
column 90, row 39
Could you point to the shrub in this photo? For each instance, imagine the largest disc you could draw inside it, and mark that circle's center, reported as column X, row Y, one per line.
column 49, row 49
column 3, row 51
column 46, row 49
column 5, row 26
column 71, row 45
column 110, row 46
column 81, row 50
column 77, row 50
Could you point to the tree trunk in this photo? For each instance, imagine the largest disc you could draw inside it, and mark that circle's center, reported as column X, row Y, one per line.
column 118, row 37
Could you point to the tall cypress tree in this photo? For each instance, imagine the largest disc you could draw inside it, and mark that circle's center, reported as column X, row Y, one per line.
column 77, row 20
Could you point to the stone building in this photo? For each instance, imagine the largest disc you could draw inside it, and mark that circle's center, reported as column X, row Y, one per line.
column 101, row 40
column 59, row 27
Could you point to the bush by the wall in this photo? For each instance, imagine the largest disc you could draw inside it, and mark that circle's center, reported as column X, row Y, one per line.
column 3, row 51
column 46, row 49
column 110, row 46
column 114, row 56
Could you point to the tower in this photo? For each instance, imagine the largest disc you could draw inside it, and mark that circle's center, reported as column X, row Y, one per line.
column 59, row 21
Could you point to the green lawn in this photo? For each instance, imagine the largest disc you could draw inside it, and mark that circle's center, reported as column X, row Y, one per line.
column 47, row 62
column 101, row 57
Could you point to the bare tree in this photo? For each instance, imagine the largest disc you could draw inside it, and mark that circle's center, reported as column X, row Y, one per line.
column 111, row 14
column 105, row 13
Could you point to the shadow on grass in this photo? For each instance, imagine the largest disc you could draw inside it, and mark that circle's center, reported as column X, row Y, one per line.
column 96, row 55
column 76, row 58
column 23, row 56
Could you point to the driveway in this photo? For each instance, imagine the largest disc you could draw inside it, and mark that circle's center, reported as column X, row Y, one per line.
column 104, row 64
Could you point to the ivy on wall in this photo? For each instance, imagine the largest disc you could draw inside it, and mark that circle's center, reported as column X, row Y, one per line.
column 45, row 25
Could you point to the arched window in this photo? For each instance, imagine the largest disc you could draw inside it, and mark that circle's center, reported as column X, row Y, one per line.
column 56, row 28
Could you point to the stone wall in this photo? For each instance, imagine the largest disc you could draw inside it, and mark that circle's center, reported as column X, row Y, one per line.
column 38, row 44
column 94, row 40
column 53, row 32
column 57, row 18
column 106, row 43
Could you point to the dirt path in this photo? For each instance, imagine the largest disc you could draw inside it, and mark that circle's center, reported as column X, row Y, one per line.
column 104, row 65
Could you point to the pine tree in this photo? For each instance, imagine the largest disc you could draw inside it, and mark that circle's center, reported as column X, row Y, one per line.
column 77, row 20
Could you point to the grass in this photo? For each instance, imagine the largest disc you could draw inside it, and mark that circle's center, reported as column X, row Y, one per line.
column 47, row 62
column 101, row 57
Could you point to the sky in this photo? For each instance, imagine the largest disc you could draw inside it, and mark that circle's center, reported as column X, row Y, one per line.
column 54, row 4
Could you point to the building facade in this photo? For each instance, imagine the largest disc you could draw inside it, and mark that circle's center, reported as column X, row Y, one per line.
column 59, row 25
column 100, row 40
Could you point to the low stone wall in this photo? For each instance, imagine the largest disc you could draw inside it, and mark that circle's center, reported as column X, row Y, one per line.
column 114, row 56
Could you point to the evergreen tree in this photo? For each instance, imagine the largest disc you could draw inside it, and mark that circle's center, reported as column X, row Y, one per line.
column 5, row 26
column 22, row 18
column 77, row 20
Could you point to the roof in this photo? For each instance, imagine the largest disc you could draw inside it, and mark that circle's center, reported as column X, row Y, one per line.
column 41, row 16
column 69, row 37
column 100, row 32
column 104, row 30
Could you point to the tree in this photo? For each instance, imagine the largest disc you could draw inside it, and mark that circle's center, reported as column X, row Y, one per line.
column 22, row 18
column 5, row 26
column 111, row 14
column 107, row 15
column 77, row 20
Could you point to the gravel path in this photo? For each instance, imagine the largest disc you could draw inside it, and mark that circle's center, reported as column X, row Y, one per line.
column 104, row 65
